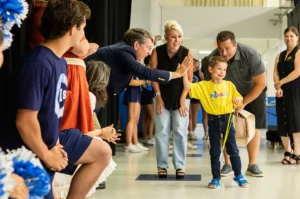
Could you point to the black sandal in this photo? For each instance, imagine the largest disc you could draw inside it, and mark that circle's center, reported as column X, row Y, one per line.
column 286, row 161
column 179, row 174
column 296, row 158
column 162, row 173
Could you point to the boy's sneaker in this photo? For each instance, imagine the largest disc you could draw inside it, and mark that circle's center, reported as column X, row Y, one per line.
column 226, row 170
column 254, row 171
column 132, row 149
column 141, row 147
column 192, row 136
column 191, row 146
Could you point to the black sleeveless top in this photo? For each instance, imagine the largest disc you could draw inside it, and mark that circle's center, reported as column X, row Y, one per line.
column 286, row 66
column 171, row 91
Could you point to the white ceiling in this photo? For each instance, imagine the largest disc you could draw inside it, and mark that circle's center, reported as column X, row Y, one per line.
column 201, row 25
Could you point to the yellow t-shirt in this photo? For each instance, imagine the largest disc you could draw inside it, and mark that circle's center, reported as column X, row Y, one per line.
column 216, row 99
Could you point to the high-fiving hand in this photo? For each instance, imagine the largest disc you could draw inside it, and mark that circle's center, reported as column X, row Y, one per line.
column 183, row 67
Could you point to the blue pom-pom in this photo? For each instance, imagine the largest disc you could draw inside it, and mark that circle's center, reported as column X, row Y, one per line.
column 12, row 12
column 37, row 179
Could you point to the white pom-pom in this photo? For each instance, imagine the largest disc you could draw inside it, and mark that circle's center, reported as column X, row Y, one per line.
column 25, row 155
column 6, row 169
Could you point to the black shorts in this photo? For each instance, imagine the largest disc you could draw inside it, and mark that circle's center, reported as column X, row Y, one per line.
column 75, row 144
column 195, row 101
column 147, row 97
column 258, row 108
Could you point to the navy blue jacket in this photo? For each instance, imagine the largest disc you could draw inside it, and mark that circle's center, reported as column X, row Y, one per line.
column 121, row 58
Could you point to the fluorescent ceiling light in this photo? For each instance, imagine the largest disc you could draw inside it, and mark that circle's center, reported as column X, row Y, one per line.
column 204, row 52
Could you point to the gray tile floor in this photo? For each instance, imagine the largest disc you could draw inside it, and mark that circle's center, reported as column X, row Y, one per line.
column 280, row 181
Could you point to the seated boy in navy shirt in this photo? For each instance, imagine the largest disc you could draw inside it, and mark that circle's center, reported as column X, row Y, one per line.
column 36, row 103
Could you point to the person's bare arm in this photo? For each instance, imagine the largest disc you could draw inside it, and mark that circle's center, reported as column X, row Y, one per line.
column 159, row 101
column 135, row 82
column 293, row 75
column 186, row 83
column 275, row 72
column 259, row 86
column 183, row 109
column 82, row 49
column 153, row 64
column 189, row 75
column 29, row 128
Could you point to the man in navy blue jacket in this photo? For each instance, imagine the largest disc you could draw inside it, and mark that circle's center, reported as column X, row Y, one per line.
column 122, row 59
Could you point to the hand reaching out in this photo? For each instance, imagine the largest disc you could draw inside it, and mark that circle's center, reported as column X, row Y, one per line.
column 183, row 67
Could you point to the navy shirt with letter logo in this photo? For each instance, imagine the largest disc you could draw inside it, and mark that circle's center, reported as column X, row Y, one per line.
column 39, row 84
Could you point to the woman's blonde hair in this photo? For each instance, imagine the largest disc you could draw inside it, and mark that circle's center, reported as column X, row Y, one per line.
column 97, row 74
column 172, row 24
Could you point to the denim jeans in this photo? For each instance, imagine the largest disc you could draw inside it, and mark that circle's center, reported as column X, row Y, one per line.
column 162, row 132
column 217, row 124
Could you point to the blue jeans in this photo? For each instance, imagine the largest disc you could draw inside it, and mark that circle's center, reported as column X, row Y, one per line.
column 162, row 132
column 217, row 124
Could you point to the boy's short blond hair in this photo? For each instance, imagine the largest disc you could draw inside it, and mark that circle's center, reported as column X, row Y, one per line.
column 213, row 61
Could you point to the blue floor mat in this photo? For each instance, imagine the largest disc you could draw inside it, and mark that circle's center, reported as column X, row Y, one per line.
column 154, row 177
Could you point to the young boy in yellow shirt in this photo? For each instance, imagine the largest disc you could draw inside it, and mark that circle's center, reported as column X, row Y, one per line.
column 218, row 98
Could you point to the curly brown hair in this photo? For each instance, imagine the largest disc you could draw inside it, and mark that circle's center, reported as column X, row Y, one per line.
column 213, row 61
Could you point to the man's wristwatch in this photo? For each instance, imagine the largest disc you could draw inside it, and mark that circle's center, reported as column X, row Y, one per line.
column 157, row 93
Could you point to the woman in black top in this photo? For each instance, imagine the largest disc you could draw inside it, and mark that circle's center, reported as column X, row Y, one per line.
column 170, row 102
column 287, row 84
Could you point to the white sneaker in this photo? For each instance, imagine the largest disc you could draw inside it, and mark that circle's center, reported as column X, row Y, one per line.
column 132, row 149
column 191, row 146
column 151, row 142
column 192, row 136
column 141, row 147
column 144, row 141
column 205, row 137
